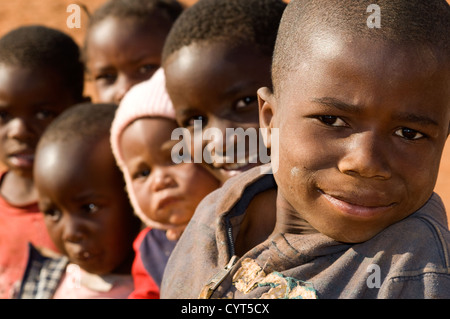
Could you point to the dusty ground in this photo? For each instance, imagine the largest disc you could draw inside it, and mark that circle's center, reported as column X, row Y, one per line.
column 52, row 13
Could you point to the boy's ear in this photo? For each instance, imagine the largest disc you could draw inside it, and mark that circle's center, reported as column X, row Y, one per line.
column 266, row 104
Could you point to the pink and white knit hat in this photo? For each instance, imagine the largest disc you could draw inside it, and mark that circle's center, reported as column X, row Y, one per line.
column 145, row 99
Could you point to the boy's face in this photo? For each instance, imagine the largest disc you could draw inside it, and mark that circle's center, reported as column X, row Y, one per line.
column 362, row 128
column 121, row 54
column 85, row 206
column 217, row 84
column 167, row 193
column 29, row 100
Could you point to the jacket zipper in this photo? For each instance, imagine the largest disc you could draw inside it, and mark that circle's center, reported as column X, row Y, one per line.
column 230, row 237
column 219, row 277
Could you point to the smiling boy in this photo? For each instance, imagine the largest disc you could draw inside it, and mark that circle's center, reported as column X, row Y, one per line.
column 363, row 115
column 216, row 56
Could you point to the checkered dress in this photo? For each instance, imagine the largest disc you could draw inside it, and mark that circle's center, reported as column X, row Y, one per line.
column 42, row 275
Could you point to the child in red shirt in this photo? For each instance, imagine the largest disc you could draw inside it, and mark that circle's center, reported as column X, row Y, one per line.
column 40, row 76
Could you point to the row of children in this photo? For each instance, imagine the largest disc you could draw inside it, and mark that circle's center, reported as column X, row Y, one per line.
column 362, row 116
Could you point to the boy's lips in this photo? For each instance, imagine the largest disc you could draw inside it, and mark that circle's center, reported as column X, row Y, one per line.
column 166, row 201
column 358, row 207
column 23, row 160
column 83, row 256
column 234, row 168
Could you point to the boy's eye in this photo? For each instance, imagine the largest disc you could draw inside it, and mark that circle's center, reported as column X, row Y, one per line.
column 148, row 69
column 90, row 208
column 246, row 101
column 4, row 116
column 143, row 173
column 106, row 77
column 331, row 120
column 190, row 121
column 409, row 134
column 52, row 214
column 45, row 114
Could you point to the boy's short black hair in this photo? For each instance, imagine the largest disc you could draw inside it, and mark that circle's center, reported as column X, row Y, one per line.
column 84, row 121
column 40, row 47
column 408, row 22
column 235, row 22
column 138, row 10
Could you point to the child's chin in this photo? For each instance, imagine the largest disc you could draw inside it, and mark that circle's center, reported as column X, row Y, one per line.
column 175, row 233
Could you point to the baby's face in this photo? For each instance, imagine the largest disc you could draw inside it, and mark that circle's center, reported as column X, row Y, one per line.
column 217, row 85
column 85, row 206
column 29, row 100
column 362, row 128
column 167, row 193
column 121, row 54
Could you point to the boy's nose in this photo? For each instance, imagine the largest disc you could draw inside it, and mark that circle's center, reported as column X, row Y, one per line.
column 216, row 142
column 123, row 85
column 365, row 157
column 18, row 129
column 73, row 231
column 162, row 180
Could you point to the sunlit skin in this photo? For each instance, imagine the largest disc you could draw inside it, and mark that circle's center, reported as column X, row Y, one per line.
column 362, row 128
column 122, row 53
column 217, row 84
column 167, row 193
column 29, row 100
column 85, row 206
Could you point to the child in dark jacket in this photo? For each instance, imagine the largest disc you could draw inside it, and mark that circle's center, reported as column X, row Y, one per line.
column 362, row 114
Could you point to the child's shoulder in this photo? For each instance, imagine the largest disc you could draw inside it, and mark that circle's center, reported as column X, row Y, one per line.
column 429, row 222
column 238, row 190
column 427, row 226
column 415, row 251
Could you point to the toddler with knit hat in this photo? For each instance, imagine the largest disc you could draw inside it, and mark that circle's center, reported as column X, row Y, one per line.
column 163, row 194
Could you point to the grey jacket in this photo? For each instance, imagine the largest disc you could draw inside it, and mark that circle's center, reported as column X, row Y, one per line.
column 409, row 259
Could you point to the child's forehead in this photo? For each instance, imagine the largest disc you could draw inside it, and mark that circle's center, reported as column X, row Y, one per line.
column 154, row 126
column 77, row 150
column 33, row 72
column 127, row 27
column 342, row 56
column 153, row 132
column 214, row 65
column 217, row 52
column 369, row 72
column 38, row 81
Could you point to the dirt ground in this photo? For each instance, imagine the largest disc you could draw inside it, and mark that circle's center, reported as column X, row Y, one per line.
column 53, row 13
